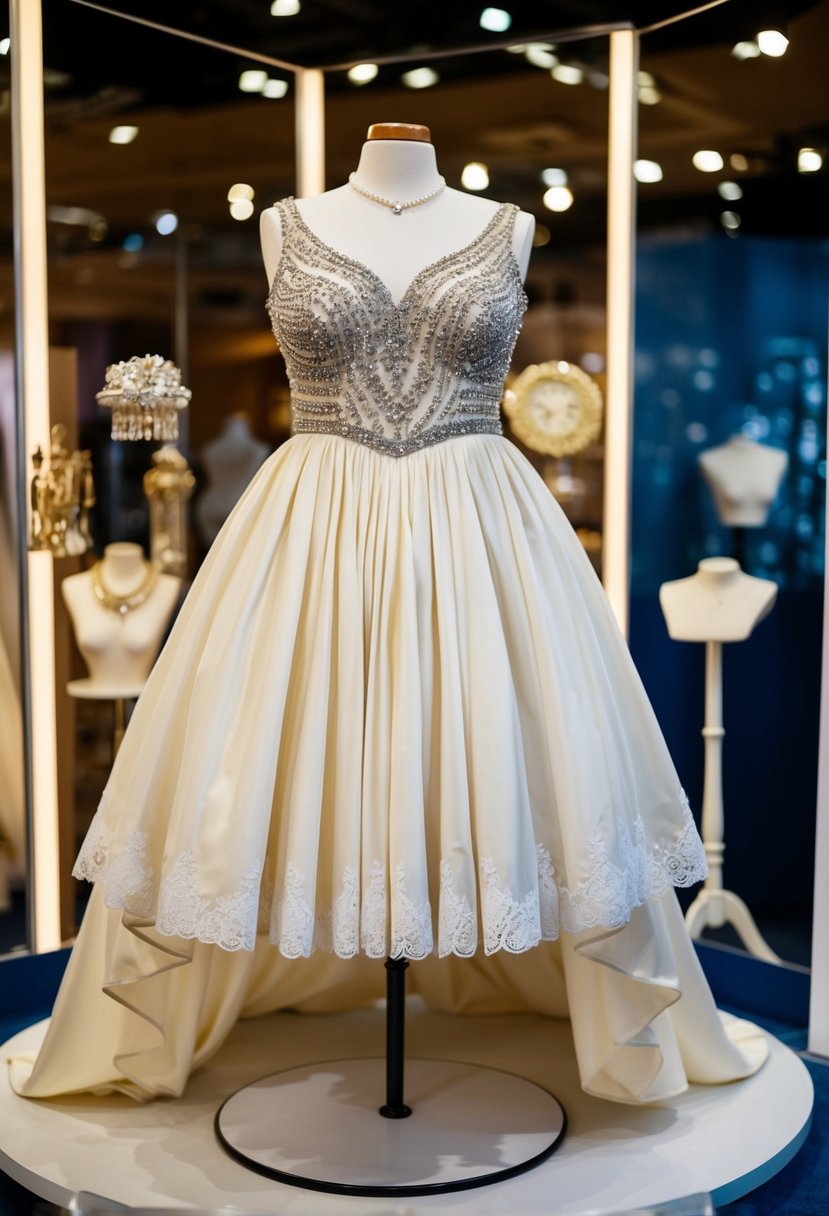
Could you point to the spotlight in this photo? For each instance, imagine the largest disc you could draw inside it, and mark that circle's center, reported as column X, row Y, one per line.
column 809, row 160
column 566, row 73
column 285, row 8
column 540, row 55
column 772, row 42
column 253, row 81
column 541, row 236
column 746, row 50
column 420, row 78
column 362, row 73
column 554, row 177
column 240, row 190
column 739, row 162
column 241, row 209
column 707, row 161
column 558, row 198
column 649, row 96
column 647, row 171
column 133, row 242
column 496, row 20
column 122, row 135
column 730, row 191
column 730, row 220
column 475, row 176
column 165, row 222
column 274, row 88
column 5, row 43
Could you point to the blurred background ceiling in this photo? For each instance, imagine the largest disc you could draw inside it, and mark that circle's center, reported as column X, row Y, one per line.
column 518, row 113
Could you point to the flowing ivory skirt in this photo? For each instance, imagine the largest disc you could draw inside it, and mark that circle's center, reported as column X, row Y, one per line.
column 394, row 716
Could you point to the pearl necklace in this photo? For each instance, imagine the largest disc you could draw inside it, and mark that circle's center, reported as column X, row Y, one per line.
column 122, row 604
column 396, row 207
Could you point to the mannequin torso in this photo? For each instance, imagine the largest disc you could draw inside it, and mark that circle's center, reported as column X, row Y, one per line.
column 717, row 604
column 744, row 477
column 119, row 648
column 230, row 461
column 395, row 247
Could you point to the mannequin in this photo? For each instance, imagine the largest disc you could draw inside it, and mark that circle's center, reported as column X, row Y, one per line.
column 230, row 461
column 717, row 604
column 397, row 162
column 119, row 620
column 744, row 477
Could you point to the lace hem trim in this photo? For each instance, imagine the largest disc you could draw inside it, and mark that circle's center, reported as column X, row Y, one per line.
column 383, row 918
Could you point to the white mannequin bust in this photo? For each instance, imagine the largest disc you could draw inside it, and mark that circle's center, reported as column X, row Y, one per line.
column 119, row 614
column 230, row 461
column 720, row 603
column 397, row 162
column 744, row 477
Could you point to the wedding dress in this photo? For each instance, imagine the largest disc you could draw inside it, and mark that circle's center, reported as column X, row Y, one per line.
column 395, row 716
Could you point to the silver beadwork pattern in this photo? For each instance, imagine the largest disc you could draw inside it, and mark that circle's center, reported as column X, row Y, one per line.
column 397, row 377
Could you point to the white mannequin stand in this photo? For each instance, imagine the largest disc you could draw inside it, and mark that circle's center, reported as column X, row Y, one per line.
column 471, row 1125
column 230, row 462
column 717, row 604
column 744, row 477
column 118, row 649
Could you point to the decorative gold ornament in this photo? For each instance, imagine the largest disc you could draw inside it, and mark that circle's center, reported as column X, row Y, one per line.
column 554, row 408
column 167, row 486
column 61, row 495
column 113, row 601
column 145, row 394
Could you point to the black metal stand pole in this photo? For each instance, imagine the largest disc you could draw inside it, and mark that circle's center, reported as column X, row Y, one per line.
column 394, row 1106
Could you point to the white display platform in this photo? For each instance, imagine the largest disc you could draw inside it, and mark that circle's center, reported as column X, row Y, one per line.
column 723, row 1139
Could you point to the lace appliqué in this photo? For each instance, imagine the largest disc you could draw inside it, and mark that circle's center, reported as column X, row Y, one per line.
column 358, row 921
column 636, row 874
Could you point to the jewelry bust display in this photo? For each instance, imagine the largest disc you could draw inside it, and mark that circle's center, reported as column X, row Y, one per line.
column 119, row 610
column 719, row 603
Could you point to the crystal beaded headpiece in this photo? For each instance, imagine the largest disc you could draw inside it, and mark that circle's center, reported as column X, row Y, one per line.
column 145, row 394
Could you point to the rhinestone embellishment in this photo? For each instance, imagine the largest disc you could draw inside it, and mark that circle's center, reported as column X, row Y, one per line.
column 396, row 376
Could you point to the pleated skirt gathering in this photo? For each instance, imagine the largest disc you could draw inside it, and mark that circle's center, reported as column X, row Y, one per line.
column 394, row 716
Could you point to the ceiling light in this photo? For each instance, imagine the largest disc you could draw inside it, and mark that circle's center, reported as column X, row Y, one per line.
column 745, row 50
column 558, row 198
column 647, row 171
column 133, row 242
column 420, row 78
column 540, row 55
column 122, row 135
column 475, row 176
column 730, row 220
column 707, row 161
column 285, row 8
column 809, row 160
column 239, row 190
column 495, row 19
column 5, row 43
column 772, row 42
column 253, row 81
column 362, row 73
column 165, row 222
column 554, row 177
column 274, row 88
column 566, row 73
column 730, row 191
column 738, row 162
column 649, row 96
column 541, row 236
column 645, row 78
column 599, row 80
column 241, row 209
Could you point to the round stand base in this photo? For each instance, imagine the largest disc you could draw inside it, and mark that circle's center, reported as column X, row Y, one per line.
column 319, row 1127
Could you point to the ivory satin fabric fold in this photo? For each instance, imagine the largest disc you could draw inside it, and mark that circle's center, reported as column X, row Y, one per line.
column 395, row 715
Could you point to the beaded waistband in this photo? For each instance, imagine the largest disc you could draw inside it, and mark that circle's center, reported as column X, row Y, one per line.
column 391, row 446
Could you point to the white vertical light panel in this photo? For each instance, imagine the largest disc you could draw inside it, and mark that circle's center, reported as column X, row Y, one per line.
column 819, row 1010
column 310, row 132
column 621, row 212
column 33, row 416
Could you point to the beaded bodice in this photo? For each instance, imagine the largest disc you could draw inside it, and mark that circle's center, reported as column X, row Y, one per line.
column 396, row 376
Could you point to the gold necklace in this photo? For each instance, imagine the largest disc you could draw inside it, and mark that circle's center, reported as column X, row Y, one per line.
column 122, row 604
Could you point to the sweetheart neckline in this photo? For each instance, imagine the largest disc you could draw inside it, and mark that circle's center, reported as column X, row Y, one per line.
column 429, row 268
